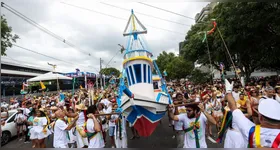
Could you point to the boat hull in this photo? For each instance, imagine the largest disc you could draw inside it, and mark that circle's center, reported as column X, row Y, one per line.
column 144, row 114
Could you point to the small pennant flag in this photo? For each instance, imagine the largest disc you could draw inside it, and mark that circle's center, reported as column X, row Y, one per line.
column 62, row 97
column 164, row 73
column 204, row 38
column 42, row 85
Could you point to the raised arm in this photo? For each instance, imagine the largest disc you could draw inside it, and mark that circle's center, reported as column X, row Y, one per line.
column 249, row 109
column 70, row 115
column 97, row 127
column 171, row 114
column 72, row 124
column 229, row 97
column 208, row 116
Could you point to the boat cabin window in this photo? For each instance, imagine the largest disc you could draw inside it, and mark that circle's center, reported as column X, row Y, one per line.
column 155, row 85
column 138, row 73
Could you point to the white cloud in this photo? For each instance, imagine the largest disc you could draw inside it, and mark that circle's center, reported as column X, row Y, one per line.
column 91, row 32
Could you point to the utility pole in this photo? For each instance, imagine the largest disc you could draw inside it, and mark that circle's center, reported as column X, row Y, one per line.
column 100, row 73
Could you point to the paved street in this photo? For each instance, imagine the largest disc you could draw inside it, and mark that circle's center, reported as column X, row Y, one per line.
column 161, row 138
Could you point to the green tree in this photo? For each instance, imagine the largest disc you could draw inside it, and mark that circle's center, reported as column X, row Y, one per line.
column 176, row 67
column 250, row 30
column 179, row 68
column 198, row 77
column 6, row 36
column 110, row 71
column 163, row 59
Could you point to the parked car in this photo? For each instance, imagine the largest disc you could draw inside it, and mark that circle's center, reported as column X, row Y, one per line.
column 4, row 104
column 8, row 127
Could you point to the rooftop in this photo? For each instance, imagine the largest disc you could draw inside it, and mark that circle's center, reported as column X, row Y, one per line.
column 17, row 64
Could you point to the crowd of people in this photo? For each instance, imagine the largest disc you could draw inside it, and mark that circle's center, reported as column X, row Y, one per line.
column 244, row 115
column 241, row 115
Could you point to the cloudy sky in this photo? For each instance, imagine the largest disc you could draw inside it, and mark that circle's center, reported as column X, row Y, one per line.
column 92, row 32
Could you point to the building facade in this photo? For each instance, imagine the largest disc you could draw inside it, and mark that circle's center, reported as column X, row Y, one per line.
column 199, row 17
column 14, row 74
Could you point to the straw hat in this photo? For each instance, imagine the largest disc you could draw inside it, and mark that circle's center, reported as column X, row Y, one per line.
column 42, row 110
column 53, row 108
column 81, row 107
column 219, row 94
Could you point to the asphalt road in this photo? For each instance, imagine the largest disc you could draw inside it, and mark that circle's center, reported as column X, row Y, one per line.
column 161, row 138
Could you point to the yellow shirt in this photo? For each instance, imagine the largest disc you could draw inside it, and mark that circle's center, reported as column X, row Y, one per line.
column 242, row 103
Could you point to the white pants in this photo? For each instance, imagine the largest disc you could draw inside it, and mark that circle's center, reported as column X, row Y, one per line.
column 121, row 143
column 81, row 142
column 62, row 146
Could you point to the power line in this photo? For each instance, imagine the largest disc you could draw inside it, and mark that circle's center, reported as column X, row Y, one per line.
column 146, row 15
column 119, row 18
column 66, row 62
column 167, row 10
column 25, row 18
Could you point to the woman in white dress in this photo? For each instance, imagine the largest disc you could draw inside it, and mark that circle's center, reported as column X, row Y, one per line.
column 40, row 130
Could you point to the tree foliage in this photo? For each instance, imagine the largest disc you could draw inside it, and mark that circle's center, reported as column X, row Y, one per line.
column 251, row 31
column 198, row 77
column 110, row 71
column 6, row 36
column 163, row 59
column 176, row 67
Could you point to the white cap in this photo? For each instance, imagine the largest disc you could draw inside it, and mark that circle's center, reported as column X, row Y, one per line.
column 270, row 108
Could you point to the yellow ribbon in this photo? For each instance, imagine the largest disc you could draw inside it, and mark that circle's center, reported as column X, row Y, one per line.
column 224, row 120
column 258, row 136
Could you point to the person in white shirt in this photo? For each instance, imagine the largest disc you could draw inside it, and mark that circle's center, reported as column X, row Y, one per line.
column 82, row 141
column 235, row 93
column 120, row 133
column 103, row 120
column 267, row 134
column 194, row 124
column 178, row 125
column 20, row 121
column 112, row 125
column 93, row 127
column 61, row 130
column 233, row 137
